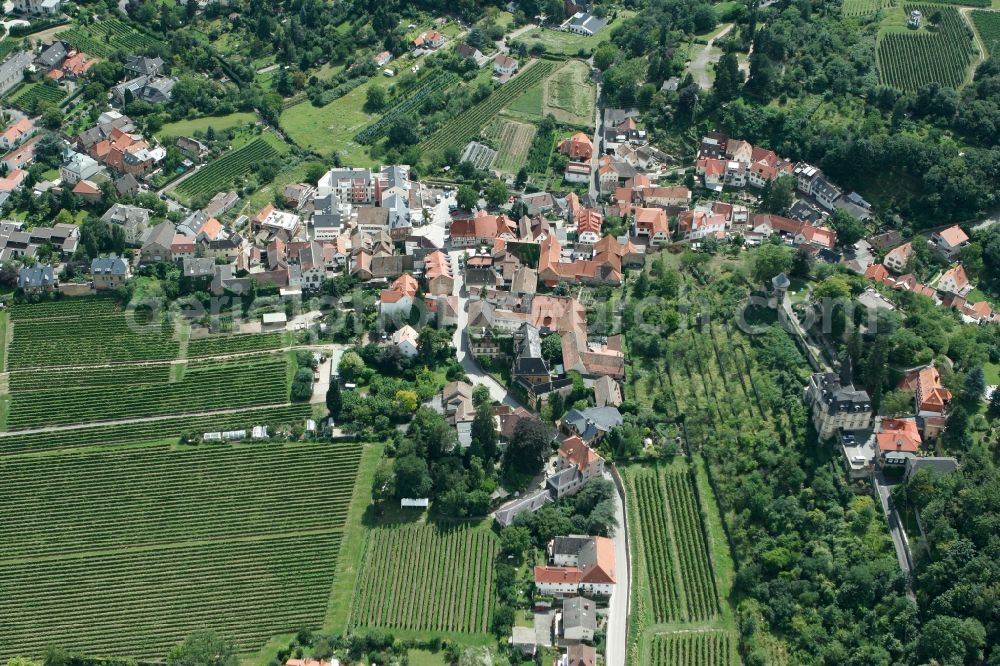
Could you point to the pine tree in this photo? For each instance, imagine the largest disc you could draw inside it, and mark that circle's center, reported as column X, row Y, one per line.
column 334, row 399
column 975, row 386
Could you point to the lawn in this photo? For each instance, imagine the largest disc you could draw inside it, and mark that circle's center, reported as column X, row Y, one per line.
column 570, row 95
column 219, row 123
column 265, row 195
column 425, row 658
column 330, row 129
column 560, row 42
column 992, row 372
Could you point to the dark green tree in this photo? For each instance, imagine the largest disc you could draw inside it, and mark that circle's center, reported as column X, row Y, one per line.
column 204, row 648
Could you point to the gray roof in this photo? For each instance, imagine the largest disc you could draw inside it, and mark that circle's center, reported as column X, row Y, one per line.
column 126, row 215
column 113, row 265
column 37, row 276
column 199, row 267
column 143, row 65
column 593, row 421
column 52, row 55
column 126, row 184
column 570, row 545
column 579, row 612
column 589, row 22
column 838, row 397
column 506, row 514
column 161, row 234
column 16, row 63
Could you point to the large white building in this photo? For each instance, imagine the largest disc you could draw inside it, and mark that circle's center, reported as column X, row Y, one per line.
column 579, row 565
column 836, row 405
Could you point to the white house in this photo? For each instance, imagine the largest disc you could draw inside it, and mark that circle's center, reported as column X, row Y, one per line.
column 950, row 241
column 504, row 65
column 579, row 565
column 406, row 339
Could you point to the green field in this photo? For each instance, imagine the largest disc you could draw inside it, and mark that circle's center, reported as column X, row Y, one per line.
column 229, row 168
column 126, row 551
column 560, row 42
column 218, row 123
column 702, row 648
column 85, row 331
column 218, row 345
column 428, row 579
column 90, row 395
column 513, row 141
column 331, row 129
column 105, row 37
column 988, row 26
column 908, row 59
column 570, row 95
column 33, row 93
column 852, row 8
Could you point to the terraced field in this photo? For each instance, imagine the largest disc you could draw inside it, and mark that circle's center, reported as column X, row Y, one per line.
column 124, row 552
column 33, row 93
column 513, row 141
column 426, row 578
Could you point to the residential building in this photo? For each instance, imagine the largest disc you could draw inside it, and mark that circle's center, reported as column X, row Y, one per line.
column 354, row 185
column 897, row 258
column 652, row 224
column 950, row 241
column 52, row 56
column 37, row 279
column 527, row 503
column 607, row 392
column 585, row 23
column 937, row 464
column 407, row 340
column 280, row 224
column 12, row 69
column 522, row 641
column 931, row 398
column 954, row 281
column 578, row 655
column 21, row 157
column 504, row 65
column 836, row 404
column 396, row 302
column 579, row 619
column 156, row 243
column 88, row 191
column 575, row 465
column 437, row 272
column 181, row 247
column 220, row 203
column 109, row 272
column 896, row 439
column 579, row 565
column 16, row 133
column 143, row 66
column 577, row 172
column 592, row 423
column 46, row 7
column 456, row 400
column 150, row 89
column 579, row 147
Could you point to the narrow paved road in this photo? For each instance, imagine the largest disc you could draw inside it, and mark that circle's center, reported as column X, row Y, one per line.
column 617, row 641
column 476, row 374
column 899, row 540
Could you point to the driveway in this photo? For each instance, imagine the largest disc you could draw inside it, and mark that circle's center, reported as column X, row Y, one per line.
column 899, row 540
column 618, row 607
column 477, row 376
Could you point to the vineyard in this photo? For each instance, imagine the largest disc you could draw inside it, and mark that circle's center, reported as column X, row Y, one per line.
column 673, row 546
column 227, row 169
column 988, row 26
column 29, row 96
column 513, row 141
column 163, row 429
column 852, row 8
column 125, row 552
column 696, row 648
column 219, row 345
column 104, row 38
column 909, row 60
column 85, row 331
column 470, row 122
column 427, row 579
column 68, row 396
column 439, row 82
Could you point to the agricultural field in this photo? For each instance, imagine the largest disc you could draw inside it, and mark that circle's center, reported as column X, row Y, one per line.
column 438, row 82
column 227, row 169
column 331, row 128
column 468, row 124
column 513, row 141
column 988, row 26
column 219, row 345
column 673, row 545
column 105, row 37
column 201, row 125
column 909, row 59
column 88, row 395
column 90, row 331
column 126, row 551
column 570, row 95
column 30, row 95
column 427, row 579
column 696, row 648
column 855, row 8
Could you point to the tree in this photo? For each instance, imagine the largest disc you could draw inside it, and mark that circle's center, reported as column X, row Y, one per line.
column 994, row 408
column 514, row 540
column 351, row 366
column 778, row 195
column 466, row 197
column 770, row 260
column 949, row 640
column 481, row 395
column 484, row 434
column 849, row 229
column 605, row 55
column 728, row 77
column 496, row 193
column 383, row 482
column 802, row 263
column 897, row 403
column 552, row 348
column 204, row 648
column 412, row 477
column 375, row 99
column 974, row 387
column 528, row 446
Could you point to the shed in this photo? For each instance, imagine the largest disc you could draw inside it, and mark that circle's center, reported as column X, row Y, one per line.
column 274, row 319
column 409, row 502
